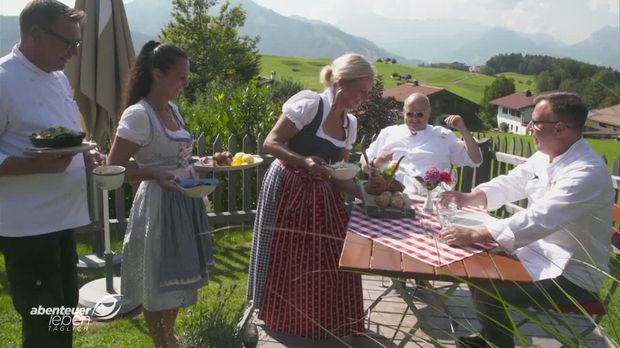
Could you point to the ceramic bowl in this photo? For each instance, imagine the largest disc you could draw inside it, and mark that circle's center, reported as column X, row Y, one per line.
column 109, row 177
column 343, row 170
column 197, row 188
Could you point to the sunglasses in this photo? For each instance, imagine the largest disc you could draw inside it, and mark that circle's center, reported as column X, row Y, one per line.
column 415, row 114
column 70, row 43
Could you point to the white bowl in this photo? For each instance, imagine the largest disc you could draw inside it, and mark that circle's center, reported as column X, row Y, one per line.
column 343, row 170
column 109, row 177
column 199, row 191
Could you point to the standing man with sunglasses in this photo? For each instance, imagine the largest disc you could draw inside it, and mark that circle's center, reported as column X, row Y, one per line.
column 42, row 199
column 423, row 145
column 562, row 237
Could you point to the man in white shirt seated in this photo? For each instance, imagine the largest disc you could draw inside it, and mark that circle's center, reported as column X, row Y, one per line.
column 423, row 145
column 563, row 236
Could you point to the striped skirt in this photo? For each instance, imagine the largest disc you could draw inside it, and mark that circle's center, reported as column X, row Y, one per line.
column 305, row 293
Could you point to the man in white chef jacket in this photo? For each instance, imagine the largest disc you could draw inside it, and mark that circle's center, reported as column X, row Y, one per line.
column 423, row 145
column 42, row 199
column 562, row 238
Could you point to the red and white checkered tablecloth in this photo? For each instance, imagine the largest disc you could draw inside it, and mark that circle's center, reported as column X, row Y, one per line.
column 415, row 237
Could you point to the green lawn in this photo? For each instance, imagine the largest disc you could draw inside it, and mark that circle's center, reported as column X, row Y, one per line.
column 468, row 85
column 232, row 255
column 522, row 82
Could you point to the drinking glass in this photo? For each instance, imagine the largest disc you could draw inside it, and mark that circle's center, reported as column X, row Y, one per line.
column 446, row 209
column 455, row 176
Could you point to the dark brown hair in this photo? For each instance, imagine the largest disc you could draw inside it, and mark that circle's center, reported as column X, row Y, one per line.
column 152, row 56
column 566, row 106
column 45, row 14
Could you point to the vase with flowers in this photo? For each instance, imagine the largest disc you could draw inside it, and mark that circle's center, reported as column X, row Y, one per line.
column 430, row 180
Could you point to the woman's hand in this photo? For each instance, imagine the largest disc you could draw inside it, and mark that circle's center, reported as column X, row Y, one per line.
column 164, row 179
column 314, row 165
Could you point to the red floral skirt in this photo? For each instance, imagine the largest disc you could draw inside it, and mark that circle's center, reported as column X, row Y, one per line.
column 305, row 294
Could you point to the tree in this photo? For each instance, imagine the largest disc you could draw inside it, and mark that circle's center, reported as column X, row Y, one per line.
column 502, row 86
column 377, row 112
column 216, row 50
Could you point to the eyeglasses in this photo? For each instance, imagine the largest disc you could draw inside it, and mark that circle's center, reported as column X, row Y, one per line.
column 70, row 43
column 538, row 123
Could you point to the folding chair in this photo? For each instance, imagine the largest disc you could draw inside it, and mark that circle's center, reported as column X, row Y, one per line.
column 591, row 312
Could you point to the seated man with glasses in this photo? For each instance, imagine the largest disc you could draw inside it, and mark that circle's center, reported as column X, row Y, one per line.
column 562, row 238
column 423, row 145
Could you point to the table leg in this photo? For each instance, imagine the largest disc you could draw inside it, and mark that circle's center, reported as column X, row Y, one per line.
column 400, row 287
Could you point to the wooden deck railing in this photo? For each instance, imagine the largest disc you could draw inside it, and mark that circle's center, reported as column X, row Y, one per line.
column 234, row 201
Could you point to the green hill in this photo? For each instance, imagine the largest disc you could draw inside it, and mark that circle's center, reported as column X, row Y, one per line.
column 466, row 84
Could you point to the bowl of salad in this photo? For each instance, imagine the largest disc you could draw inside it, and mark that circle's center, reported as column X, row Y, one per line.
column 57, row 137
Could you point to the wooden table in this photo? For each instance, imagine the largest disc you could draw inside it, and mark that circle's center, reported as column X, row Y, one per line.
column 361, row 254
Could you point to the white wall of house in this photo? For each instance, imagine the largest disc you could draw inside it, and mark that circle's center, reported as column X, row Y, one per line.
column 516, row 120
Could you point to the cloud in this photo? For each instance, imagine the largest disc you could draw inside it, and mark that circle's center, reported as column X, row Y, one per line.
column 612, row 6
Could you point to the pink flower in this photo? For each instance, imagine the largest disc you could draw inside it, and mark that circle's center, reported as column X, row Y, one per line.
column 432, row 177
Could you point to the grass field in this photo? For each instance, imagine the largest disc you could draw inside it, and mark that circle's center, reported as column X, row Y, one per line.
column 522, row 82
column 232, row 255
column 466, row 84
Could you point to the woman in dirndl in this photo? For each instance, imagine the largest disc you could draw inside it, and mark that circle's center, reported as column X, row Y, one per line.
column 167, row 248
column 301, row 219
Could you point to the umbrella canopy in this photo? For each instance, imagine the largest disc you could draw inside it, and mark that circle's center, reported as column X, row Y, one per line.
column 99, row 70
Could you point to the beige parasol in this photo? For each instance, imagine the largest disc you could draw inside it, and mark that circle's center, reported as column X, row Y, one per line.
column 99, row 70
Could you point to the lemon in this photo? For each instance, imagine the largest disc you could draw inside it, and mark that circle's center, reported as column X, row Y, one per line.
column 238, row 155
column 391, row 166
column 248, row 159
column 236, row 162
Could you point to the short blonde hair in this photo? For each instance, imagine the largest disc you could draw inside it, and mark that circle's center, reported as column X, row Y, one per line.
column 346, row 67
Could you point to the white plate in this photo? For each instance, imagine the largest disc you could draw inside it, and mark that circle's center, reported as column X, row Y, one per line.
column 46, row 151
column 207, row 165
column 470, row 219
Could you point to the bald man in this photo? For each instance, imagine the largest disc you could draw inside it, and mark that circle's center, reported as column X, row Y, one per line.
column 423, row 145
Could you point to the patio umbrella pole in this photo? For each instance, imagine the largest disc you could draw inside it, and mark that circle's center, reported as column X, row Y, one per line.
column 108, row 255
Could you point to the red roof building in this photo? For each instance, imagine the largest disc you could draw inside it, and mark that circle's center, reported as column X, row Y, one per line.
column 443, row 103
column 604, row 122
column 514, row 111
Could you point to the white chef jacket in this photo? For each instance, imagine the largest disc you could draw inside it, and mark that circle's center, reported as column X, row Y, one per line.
column 32, row 100
column 566, row 228
column 434, row 146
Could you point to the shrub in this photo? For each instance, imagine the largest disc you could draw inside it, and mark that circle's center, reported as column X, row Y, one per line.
column 212, row 323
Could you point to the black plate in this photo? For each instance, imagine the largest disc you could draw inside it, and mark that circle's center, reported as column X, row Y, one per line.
column 59, row 141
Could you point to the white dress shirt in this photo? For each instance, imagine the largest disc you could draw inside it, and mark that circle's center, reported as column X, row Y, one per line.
column 302, row 107
column 32, row 100
column 434, row 146
column 566, row 228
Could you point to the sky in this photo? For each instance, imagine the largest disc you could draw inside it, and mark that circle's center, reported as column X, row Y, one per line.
column 569, row 21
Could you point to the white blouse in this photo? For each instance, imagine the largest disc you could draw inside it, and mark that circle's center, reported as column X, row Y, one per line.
column 303, row 106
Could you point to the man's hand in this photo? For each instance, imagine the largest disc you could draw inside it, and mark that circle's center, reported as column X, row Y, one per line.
column 475, row 198
column 456, row 122
column 463, row 236
column 383, row 158
column 93, row 159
